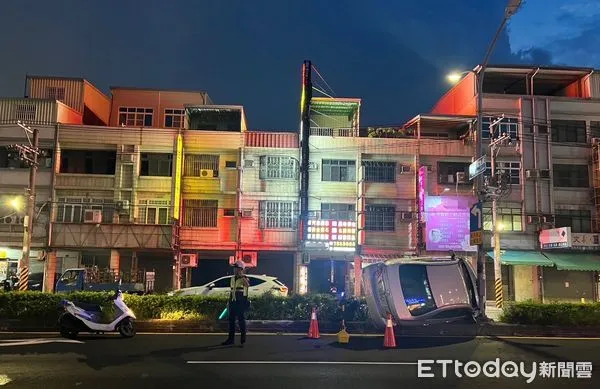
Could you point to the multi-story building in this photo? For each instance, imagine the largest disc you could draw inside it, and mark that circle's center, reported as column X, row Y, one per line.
column 48, row 103
column 553, row 118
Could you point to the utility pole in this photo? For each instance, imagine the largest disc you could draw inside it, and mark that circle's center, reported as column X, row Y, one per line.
column 28, row 154
column 304, row 137
column 497, row 189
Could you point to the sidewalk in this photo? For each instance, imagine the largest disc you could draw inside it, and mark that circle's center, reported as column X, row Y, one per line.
column 492, row 312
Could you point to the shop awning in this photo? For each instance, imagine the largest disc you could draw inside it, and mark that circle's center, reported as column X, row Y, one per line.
column 526, row 258
column 574, row 261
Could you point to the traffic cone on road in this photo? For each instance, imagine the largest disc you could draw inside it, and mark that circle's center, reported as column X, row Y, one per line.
column 389, row 340
column 313, row 331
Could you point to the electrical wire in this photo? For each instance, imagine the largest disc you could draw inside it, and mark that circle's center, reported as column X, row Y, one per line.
column 322, row 78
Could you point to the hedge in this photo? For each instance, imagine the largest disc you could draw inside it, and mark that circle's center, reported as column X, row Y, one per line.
column 560, row 314
column 38, row 306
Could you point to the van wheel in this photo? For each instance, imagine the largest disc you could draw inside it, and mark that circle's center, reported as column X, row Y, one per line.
column 127, row 328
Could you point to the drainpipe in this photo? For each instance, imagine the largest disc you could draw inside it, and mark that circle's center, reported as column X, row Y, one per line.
column 535, row 159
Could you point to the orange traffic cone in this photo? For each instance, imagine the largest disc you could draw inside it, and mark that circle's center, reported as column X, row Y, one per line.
column 313, row 331
column 389, row 340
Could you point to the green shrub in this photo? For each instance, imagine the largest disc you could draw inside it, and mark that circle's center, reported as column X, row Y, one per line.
column 38, row 306
column 565, row 314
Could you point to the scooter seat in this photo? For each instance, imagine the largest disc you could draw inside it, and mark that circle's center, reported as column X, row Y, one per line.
column 89, row 307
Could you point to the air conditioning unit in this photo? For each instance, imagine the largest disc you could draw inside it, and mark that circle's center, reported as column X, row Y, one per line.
column 250, row 258
column 313, row 166
column 406, row 216
column 127, row 158
column 531, row 173
column 207, row 173
column 536, row 219
column 92, row 216
column 247, row 213
column 461, row 178
column 404, row 169
column 12, row 219
column 189, row 260
column 545, row 174
column 123, row 206
column 450, row 179
column 248, row 163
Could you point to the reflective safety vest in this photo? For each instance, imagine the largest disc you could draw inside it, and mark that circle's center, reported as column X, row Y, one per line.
column 238, row 285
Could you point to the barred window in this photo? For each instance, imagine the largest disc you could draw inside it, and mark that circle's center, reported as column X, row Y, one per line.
column 339, row 170
column 201, row 165
column 380, row 217
column 278, row 214
column 200, row 213
column 25, row 112
column 55, row 93
column 275, row 167
column 380, row 171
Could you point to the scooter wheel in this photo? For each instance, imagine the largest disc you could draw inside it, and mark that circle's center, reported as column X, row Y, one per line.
column 68, row 333
column 127, row 328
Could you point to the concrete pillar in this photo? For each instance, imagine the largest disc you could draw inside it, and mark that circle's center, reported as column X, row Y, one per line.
column 50, row 269
column 300, row 275
column 115, row 260
column 357, row 275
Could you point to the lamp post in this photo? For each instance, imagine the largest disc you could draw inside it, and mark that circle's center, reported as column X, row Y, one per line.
column 511, row 8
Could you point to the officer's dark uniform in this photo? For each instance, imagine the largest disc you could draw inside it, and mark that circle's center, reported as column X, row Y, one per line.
column 238, row 303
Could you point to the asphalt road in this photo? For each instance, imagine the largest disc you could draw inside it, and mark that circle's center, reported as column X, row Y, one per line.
column 280, row 362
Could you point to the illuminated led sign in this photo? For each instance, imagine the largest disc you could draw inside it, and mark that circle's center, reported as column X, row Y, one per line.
column 332, row 235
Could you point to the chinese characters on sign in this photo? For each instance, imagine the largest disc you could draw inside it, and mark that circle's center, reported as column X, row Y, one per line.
column 333, row 235
column 448, row 223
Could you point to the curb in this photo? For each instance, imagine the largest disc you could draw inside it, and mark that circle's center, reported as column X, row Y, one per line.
column 359, row 328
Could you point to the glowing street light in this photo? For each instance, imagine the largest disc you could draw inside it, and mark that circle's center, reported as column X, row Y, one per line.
column 16, row 203
column 455, row 77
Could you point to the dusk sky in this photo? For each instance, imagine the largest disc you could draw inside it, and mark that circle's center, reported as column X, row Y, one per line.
column 392, row 54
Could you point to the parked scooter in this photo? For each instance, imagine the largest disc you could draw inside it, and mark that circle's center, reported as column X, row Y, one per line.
column 82, row 317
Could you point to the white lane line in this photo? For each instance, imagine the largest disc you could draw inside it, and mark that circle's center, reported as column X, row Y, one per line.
column 300, row 363
column 30, row 342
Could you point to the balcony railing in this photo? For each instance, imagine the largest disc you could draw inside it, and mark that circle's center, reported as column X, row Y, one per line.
column 341, row 132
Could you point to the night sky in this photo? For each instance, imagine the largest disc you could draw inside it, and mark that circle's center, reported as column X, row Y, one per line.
column 392, row 54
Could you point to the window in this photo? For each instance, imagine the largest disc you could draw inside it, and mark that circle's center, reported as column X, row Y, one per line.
column 153, row 212
column 339, row 170
column 337, row 211
column 508, row 126
column 200, row 213
column 380, row 218
column 578, row 220
column 380, row 171
column 416, row 289
column 253, row 281
column 156, row 165
column 568, row 131
column 88, row 162
column 174, row 118
column 278, row 168
column 447, row 172
column 11, row 160
column 571, row 176
column 278, row 214
column 135, row 117
column 513, row 169
column 55, row 93
column 25, row 112
column 201, row 165
column 223, row 283
column 510, row 218
column 595, row 129
column 72, row 209
column 230, row 164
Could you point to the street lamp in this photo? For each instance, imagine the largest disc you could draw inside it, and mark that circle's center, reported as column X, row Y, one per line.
column 15, row 203
column 512, row 8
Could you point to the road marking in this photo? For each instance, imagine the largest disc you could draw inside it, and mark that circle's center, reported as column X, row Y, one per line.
column 30, row 342
column 4, row 379
column 300, row 363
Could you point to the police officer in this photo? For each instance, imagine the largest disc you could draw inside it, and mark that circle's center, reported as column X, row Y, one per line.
column 238, row 302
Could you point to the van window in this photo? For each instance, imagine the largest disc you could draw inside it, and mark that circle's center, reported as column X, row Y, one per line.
column 416, row 289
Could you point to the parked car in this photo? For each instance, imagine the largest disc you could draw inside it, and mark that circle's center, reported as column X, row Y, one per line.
column 259, row 285
column 418, row 291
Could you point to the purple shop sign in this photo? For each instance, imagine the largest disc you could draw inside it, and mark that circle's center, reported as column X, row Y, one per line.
column 447, row 226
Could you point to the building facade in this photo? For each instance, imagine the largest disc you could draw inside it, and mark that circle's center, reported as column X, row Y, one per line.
column 552, row 116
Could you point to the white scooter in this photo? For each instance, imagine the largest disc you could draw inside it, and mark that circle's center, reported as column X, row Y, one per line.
column 82, row 317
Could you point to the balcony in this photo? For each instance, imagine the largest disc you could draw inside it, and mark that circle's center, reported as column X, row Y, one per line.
column 336, row 132
column 112, row 236
column 78, row 181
